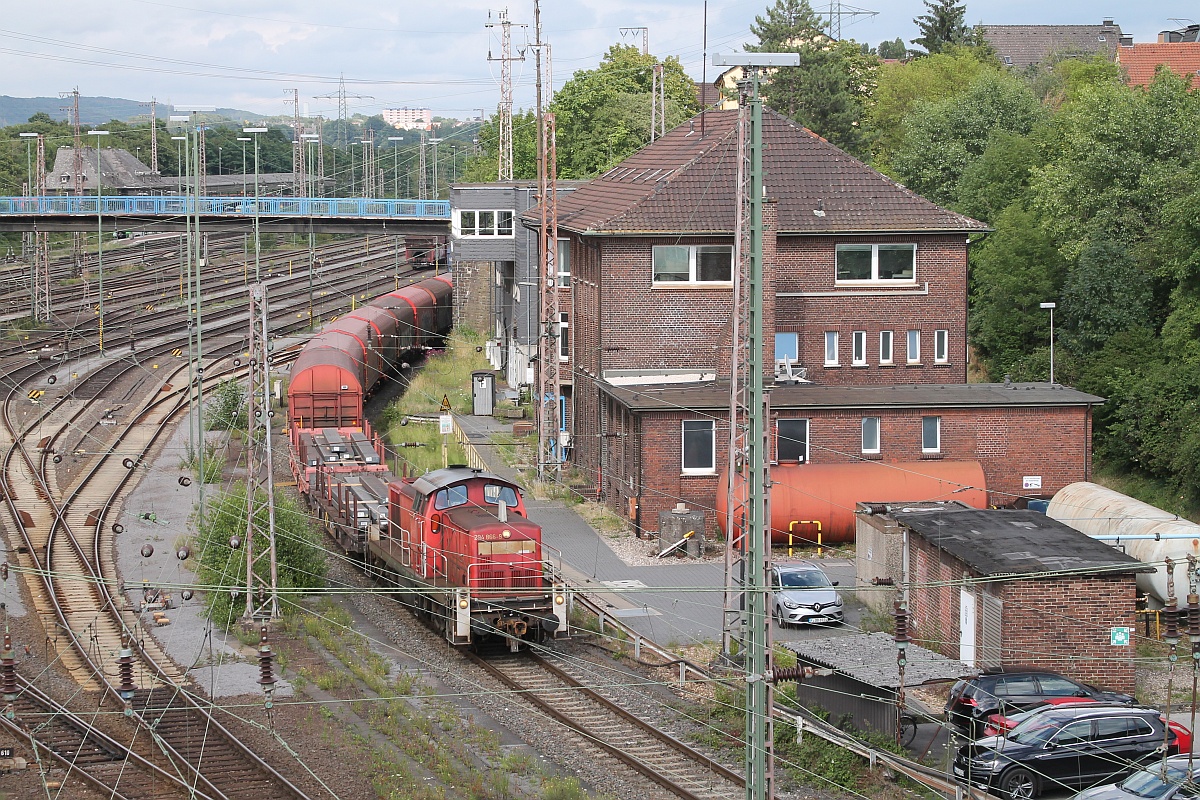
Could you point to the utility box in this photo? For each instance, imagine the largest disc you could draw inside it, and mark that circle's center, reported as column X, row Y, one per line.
column 483, row 393
column 681, row 524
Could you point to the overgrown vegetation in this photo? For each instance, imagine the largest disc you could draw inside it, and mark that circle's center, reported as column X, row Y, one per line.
column 226, row 408
column 222, row 567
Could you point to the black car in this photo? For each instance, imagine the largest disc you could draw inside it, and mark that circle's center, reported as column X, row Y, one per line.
column 1153, row 783
column 1073, row 746
column 1006, row 690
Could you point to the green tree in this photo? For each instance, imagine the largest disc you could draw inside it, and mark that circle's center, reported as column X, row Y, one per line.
column 943, row 25
column 484, row 166
column 999, row 177
column 226, row 409
column 893, row 49
column 1103, row 294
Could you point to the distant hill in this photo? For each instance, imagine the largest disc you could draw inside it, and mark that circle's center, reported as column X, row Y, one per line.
column 96, row 110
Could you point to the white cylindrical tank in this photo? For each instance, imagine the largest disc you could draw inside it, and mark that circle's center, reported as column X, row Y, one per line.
column 1145, row 532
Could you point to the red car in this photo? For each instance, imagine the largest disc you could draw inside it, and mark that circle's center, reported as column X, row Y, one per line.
column 999, row 724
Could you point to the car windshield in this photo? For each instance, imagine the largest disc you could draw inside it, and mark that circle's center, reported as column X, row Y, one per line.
column 1149, row 782
column 804, row 579
column 1034, row 730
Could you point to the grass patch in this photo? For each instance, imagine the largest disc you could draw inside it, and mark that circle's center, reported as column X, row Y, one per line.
column 1150, row 490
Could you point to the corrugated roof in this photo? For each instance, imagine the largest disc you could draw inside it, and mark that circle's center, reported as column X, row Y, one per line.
column 871, row 658
column 714, row 395
column 1141, row 61
column 1020, row 46
column 1011, row 542
column 685, row 182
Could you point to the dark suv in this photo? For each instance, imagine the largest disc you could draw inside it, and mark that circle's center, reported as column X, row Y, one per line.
column 1007, row 690
column 1071, row 746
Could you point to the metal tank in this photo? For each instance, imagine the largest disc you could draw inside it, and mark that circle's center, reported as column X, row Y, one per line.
column 805, row 495
column 1145, row 532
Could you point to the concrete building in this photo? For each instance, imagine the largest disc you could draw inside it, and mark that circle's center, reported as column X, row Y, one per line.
column 409, row 119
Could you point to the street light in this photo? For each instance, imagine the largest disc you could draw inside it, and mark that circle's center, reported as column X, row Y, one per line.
column 257, row 245
column 179, row 161
column 395, row 164
column 1051, row 306
column 220, row 170
column 100, row 230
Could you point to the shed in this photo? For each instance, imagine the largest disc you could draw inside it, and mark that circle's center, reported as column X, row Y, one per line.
column 863, row 689
column 996, row 587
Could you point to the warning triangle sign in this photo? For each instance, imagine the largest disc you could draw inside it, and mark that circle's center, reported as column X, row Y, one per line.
column 445, row 403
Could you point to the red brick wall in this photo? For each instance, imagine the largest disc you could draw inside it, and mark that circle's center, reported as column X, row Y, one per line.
column 1061, row 624
column 806, row 264
column 1010, row 443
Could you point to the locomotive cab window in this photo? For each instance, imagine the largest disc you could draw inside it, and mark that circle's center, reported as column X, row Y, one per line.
column 493, row 493
column 450, row 497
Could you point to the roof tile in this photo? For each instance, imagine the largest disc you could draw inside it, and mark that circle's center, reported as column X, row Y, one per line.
column 1141, row 61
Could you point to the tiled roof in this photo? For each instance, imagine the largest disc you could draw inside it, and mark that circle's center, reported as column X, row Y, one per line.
column 1142, row 60
column 1019, row 46
column 685, row 182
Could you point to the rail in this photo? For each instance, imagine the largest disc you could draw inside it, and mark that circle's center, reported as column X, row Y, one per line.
column 234, row 207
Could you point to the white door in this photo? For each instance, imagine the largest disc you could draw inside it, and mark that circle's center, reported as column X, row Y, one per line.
column 966, row 627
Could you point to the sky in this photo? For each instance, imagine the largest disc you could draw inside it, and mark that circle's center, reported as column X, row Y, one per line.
column 250, row 55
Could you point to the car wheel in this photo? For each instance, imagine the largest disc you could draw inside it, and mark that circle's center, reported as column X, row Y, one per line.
column 1018, row 784
column 779, row 620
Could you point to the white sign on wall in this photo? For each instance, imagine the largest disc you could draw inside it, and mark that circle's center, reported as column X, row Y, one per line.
column 1031, row 482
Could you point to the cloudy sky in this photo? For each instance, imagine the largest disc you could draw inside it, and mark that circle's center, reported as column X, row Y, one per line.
column 434, row 54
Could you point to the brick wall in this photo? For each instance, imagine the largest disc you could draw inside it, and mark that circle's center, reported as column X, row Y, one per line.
column 1010, row 443
column 473, row 282
column 1061, row 624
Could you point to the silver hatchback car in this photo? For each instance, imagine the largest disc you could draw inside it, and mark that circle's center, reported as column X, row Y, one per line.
column 802, row 594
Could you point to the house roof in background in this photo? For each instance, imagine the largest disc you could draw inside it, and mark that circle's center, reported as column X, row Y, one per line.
column 1141, row 61
column 1020, row 46
column 686, row 182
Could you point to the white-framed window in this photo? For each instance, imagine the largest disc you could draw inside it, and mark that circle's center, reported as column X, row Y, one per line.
column 941, row 346
column 859, row 348
column 870, row 434
column 693, row 263
column 699, row 446
column 564, row 342
column 787, row 345
column 831, row 348
column 483, row 223
column 913, row 354
column 791, row 440
column 876, row 263
column 885, row 347
column 931, row 434
column 564, row 262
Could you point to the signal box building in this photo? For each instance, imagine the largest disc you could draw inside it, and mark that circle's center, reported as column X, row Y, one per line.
column 865, row 324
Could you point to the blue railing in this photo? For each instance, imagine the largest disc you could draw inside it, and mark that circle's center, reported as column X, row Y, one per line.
column 175, row 205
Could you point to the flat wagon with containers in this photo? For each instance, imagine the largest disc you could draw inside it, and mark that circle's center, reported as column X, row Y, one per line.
column 456, row 540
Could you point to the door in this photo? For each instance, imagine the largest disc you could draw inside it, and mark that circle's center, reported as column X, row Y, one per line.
column 966, row 627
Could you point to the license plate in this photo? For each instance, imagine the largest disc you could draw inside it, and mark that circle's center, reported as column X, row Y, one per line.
column 818, row 619
column 959, row 771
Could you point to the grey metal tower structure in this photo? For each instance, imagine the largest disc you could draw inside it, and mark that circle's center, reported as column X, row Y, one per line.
column 262, row 578
column 838, row 10
column 299, row 180
column 41, row 245
column 505, row 148
column 342, row 96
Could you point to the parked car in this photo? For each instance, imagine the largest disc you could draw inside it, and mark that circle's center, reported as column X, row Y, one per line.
column 1152, row 784
column 1072, row 746
column 1006, row 690
column 999, row 724
column 801, row 593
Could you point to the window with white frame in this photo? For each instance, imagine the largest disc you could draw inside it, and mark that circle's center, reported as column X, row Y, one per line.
column 870, row 434
column 791, row 440
column 885, row 347
column 483, row 223
column 876, row 263
column 696, row 263
column 699, row 446
column 564, row 262
column 564, row 342
column 859, row 348
column 931, row 434
column 831, row 348
column 787, row 346
column 913, row 356
column 941, row 346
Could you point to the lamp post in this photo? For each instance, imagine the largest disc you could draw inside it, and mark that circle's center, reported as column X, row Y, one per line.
column 220, row 169
column 179, row 140
column 453, row 163
column 257, row 245
column 243, row 140
column 100, row 230
column 395, row 164
column 1051, row 306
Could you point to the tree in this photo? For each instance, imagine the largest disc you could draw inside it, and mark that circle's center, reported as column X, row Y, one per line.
column 943, row 25
column 825, row 92
column 893, row 49
column 999, row 177
column 484, row 166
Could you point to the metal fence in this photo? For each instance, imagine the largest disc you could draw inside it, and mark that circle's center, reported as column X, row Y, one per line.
column 175, row 205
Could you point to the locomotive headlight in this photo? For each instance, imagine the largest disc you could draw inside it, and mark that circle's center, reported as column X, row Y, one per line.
column 506, row 534
column 463, row 603
column 559, row 599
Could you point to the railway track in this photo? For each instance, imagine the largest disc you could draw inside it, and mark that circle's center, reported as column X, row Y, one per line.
column 675, row 768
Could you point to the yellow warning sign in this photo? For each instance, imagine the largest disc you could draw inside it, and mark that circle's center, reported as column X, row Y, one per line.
column 177, row 352
column 36, row 394
column 445, row 402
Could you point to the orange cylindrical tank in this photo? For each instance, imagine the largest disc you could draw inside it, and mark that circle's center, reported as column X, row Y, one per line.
column 803, row 494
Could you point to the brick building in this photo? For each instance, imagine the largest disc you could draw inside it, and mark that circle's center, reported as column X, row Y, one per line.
column 864, row 301
column 1006, row 586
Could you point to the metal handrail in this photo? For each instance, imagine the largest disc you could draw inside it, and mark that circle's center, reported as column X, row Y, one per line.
column 238, row 207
